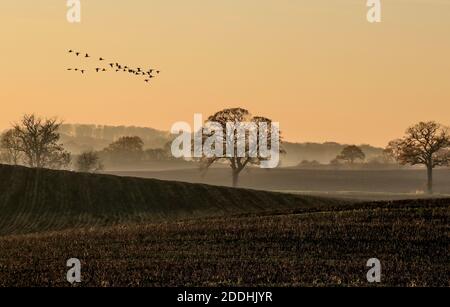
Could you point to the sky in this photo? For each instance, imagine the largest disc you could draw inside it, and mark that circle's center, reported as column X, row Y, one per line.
column 317, row 66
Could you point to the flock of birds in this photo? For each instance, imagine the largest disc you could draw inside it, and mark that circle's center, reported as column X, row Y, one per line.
column 104, row 66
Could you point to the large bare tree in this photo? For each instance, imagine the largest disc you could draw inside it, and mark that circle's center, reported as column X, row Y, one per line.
column 425, row 143
column 39, row 142
column 232, row 122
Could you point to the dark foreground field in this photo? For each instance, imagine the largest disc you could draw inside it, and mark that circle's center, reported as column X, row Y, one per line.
column 308, row 248
column 145, row 232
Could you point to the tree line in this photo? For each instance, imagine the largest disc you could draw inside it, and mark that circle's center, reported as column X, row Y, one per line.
column 35, row 142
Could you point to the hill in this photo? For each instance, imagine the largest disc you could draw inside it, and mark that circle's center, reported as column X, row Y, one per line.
column 35, row 200
column 144, row 232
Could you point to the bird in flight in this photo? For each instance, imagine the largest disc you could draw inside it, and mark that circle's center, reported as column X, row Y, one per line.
column 77, row 53
column 70, row 51
column 87, row 55
column 82, row 71
column 97, row 69
column 101, row 59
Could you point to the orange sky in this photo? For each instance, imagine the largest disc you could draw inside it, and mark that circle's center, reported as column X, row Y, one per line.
column 318, row 67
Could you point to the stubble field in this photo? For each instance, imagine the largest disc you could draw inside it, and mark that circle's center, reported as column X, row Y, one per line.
column 305, row 248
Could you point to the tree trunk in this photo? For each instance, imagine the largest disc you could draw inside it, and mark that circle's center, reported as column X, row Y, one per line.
column 430, row 179
column 235, row 178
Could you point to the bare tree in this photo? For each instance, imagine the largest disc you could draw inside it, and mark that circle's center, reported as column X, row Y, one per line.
column 426, row 143
column 89, row 162
column 10, row 147
column 39, row 142
column 350, row 154
column 230, row 122
column 127, row 149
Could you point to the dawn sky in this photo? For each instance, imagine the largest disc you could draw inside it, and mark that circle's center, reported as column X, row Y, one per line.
column 318, row 67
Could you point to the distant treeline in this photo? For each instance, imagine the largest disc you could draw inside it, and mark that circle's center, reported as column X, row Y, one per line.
column 47, row 143
column 78, row 138
column 322, row 153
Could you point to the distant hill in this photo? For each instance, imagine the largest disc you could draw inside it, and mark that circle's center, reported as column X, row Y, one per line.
column 78, row 138
column 321, row 152
column 33, row 200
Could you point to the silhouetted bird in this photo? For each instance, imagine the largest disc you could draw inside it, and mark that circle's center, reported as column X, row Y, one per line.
column 86, row 56
column 147, row 80
column 77, row 53
column 104, row 69
column 70, row 51
column 97, row 69
column 111, row 64
column 157, row 71
column 69, row 68
column 76, row 69
column 101, row 59
column 82, row 71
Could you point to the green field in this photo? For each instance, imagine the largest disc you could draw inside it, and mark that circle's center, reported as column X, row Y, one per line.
column 140, row 232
